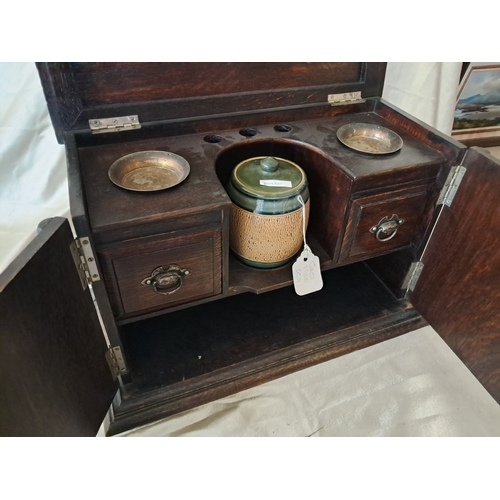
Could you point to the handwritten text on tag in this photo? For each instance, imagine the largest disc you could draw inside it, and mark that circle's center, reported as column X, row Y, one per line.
column 306, row 273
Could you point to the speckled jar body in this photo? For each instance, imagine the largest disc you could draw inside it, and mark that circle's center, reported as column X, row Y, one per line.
column 266, row 222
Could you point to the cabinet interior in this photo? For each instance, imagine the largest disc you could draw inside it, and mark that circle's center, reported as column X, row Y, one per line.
column 198, row 348
column 189, row 343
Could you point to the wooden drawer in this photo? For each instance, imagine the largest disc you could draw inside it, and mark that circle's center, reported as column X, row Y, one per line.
column 360, row 238
column 145, row 276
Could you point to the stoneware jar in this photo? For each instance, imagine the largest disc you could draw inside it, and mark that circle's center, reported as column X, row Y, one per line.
column 266, row 216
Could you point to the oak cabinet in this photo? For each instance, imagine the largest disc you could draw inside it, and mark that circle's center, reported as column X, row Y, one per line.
column 185, row 322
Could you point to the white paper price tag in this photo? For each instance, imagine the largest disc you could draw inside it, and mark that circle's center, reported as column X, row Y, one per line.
column 306, row 273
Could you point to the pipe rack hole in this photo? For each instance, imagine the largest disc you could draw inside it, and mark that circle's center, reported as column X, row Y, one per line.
column 248, row 132
column 282, row 127
column 212, row 138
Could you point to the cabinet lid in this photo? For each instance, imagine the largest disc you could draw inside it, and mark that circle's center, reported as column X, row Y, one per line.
column 79, row 92
column 458, row 291
column 54, row 377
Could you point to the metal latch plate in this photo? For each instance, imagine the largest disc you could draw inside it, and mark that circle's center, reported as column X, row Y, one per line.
column 346, row 98
column 451, row 185
column 116, row 124
column 413, row 275
column 116, row 363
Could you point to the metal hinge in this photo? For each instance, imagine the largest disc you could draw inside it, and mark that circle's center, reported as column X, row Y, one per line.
column 451, row 185
column 413, row 275
column 346, row 98
column 116, row 362
column 84, row 261
column 117, row 124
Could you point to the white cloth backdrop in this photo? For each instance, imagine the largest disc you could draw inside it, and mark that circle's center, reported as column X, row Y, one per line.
column 33, row 182
column 412, row 385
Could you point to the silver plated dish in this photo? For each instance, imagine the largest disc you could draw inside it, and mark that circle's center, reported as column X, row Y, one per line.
column 149, row 171
column 368, row 138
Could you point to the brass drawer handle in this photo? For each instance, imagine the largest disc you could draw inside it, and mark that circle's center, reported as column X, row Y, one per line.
column 388, row 227
column 166, row 281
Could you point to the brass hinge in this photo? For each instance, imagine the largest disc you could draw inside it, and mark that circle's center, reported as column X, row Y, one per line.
column 85, row 263
column 413, row 275
column 346, row 98
column 116, row 124
column 116, row 362
column 451, row 185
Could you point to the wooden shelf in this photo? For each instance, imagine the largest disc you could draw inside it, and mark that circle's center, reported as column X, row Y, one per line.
column 243, row 278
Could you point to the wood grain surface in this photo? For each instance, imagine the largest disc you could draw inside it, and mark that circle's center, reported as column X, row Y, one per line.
column 54, row 378
column 458, row 292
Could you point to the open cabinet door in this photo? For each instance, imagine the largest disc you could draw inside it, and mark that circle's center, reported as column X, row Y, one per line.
column 54, row 377
column 458, row 291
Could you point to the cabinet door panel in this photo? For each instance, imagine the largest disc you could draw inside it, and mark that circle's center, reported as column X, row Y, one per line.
column 458, row 292
column 54, row 378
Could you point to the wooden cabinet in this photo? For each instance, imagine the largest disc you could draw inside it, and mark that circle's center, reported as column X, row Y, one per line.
column 186, row 322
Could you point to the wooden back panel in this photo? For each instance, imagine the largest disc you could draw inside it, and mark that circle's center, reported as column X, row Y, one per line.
column 108, row 83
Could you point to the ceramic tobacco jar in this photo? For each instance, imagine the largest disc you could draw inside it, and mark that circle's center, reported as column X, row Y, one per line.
column 266, row 227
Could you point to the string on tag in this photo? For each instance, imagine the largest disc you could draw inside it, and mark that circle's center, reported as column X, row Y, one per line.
column 301, row 201
column 306, row 270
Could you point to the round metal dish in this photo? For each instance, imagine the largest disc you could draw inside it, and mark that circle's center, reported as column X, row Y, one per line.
column 149, row 171
column 367, row 138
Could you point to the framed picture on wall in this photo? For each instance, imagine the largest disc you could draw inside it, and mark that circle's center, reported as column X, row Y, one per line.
column 477, row 112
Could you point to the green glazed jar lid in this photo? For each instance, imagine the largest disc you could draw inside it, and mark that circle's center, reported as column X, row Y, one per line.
column 268, row 177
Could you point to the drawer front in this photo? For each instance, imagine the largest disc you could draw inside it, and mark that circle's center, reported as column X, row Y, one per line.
column 167, row 272
column 366, row 234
